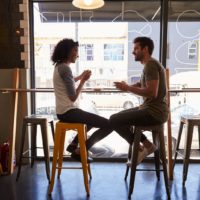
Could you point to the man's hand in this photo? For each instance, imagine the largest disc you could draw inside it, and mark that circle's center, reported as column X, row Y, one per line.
column 121, row 85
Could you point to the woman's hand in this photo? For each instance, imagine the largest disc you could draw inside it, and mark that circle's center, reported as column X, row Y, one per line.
column 86, row 75
column 83, row 77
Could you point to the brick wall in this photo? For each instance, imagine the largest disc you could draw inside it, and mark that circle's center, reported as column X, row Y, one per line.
column 14, row 42
column 24, row 39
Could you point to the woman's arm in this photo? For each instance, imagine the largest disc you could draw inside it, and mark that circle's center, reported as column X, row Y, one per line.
column 77, row 78
column 84, row 77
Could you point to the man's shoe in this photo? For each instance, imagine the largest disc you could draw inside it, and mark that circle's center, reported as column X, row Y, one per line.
column 77, row 157
column 147, row 151
column 143, row 154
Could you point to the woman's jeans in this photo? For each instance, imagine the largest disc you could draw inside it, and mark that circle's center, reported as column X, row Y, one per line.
column 91, row 120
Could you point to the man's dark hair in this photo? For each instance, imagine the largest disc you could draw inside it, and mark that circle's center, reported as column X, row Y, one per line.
column 145, row 41
column 62, row 50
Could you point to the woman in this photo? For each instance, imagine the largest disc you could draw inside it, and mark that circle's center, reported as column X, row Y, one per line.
column 66, row 94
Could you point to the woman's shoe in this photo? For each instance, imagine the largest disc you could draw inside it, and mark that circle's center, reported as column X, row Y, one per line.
column 77, row 157
column 72, row 147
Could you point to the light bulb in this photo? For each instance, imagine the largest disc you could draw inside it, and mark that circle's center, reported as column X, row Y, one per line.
column 88, row 2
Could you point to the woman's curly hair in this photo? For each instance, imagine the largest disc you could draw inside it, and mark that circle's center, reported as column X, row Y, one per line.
column 62, row 50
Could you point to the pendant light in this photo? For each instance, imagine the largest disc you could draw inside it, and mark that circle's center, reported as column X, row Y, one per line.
column 88, row 4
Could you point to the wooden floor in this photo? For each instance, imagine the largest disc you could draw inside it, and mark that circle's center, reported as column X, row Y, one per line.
column 107, row 184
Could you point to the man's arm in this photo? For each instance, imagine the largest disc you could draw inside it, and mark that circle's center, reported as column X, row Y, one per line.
column 150, row 91
column 138, row 84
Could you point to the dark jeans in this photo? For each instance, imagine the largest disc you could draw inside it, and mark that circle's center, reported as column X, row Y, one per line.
column 123, row 121
column 91, row 120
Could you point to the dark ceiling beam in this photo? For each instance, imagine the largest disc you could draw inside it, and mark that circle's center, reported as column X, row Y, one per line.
column 163, row 32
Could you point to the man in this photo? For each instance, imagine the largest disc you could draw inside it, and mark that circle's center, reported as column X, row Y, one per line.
column 152, row 87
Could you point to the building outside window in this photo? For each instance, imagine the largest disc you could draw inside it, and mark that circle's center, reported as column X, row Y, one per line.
column 86, row 52
column 113, row 52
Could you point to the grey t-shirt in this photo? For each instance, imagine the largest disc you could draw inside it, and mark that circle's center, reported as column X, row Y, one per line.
column 157, row 107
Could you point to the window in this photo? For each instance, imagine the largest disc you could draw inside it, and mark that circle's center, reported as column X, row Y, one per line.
column 113, row 52
column 183, row 61
column 105, row 39
column 86, row 52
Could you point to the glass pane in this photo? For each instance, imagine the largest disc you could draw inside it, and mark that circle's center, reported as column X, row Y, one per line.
column 183, row 61
column 105, row 37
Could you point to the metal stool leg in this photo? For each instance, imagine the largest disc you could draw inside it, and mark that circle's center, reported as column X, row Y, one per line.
column 45, row 147
column 61, row 149
column 187, row 149
column 88, row 166
column 164, row 162
column 33, row 143
column 135, row 148
column 83, row 152
column 129, row 158
column 55, row 157
column 52, row 129
column 155, row 136
column 178, row 142
column 21, row 149
column 89, row 171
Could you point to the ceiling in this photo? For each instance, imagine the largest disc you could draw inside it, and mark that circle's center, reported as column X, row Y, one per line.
column 118, row 11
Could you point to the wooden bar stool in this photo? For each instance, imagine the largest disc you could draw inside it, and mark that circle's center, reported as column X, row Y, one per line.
column 33, row 121
column 158, row 139
column 190, row 121
column 61, row 129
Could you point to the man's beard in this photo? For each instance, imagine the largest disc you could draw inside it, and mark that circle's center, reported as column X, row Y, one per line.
column 139, row 58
